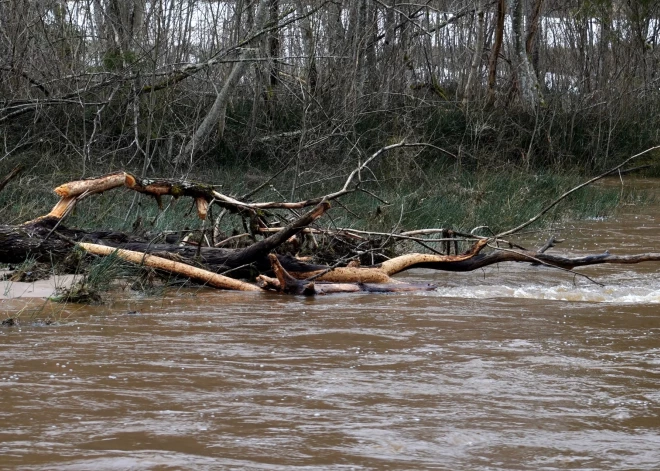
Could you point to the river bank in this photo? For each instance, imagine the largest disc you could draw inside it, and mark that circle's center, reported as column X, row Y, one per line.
column 493, row 202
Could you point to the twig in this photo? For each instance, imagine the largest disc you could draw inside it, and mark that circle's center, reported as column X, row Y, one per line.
column 541, row 262
column 589, row 182
column 374, row 196
column 236, row 268
column 344, row 190
column 230, row 239
column 275, row 175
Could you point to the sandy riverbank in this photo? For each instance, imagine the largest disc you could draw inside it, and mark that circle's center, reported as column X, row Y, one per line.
column 38, row 289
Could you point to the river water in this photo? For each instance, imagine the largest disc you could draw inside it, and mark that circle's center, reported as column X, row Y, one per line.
column 512, row 367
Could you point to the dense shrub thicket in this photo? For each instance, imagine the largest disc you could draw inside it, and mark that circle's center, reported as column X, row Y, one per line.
column 166, row 87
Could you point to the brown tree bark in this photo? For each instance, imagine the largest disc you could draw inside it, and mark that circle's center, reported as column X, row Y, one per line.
column 494, row 55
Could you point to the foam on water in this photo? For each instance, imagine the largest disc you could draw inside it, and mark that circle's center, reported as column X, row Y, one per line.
column 564, row 292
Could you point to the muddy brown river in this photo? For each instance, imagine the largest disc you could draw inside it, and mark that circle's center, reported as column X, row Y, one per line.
column 512, row 367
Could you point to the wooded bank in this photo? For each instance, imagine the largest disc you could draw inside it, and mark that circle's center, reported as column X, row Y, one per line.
column 490, row 83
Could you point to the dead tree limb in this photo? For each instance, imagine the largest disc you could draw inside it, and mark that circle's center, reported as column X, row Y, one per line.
column 537, row 260
column 573, row 190
column 569, row 263
column 177, row 188
column 285, row 283
column 203, row 194
column 382, row 273
column 72, row 192
column 261, row 249
column 91, row 185
column 349, row 185
column 10, row 176
column 171, row 266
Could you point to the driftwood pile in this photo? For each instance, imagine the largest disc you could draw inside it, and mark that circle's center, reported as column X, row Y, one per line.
column 207, row 261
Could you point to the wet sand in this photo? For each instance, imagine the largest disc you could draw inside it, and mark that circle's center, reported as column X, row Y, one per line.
column 38, row 289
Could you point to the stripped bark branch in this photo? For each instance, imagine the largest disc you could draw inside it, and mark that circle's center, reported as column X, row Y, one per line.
column 139, row 258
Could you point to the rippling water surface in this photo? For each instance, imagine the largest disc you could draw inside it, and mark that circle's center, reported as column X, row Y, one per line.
column 512, row 367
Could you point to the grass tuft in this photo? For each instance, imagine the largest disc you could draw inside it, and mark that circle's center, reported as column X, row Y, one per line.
column 98, row 278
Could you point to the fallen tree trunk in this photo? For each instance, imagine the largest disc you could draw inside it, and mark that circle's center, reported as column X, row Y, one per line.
column 19, row 243
column 43, row 240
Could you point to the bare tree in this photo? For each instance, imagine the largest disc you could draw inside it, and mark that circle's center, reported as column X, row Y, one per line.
column 478, row 51
column 530, row 92
column 217, row 110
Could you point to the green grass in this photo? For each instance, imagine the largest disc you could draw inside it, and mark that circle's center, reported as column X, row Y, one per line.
column 499, row 201
column 98, row 277
column 431, row 197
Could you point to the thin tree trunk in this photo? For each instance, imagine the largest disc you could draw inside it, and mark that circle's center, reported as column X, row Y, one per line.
column 497, row 46
column 358, row 26
column 273, row 44
column 387, row 66
column 273, row 53
column 476, row 58
column 530, row 93
column 532, row 40
column 604, row 45
column 217, row 110
column 310, row 47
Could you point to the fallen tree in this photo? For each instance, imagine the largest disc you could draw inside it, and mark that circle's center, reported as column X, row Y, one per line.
column 47, row 239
